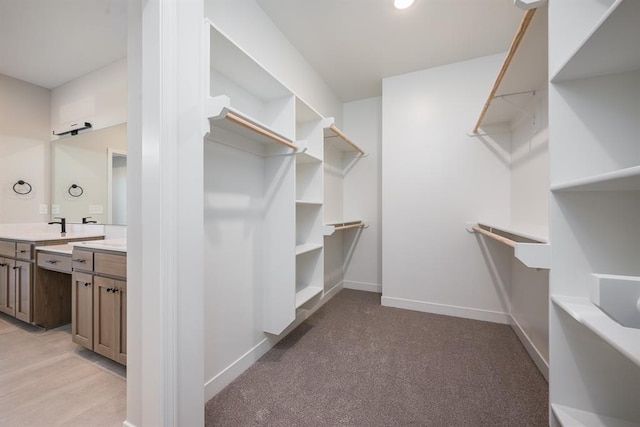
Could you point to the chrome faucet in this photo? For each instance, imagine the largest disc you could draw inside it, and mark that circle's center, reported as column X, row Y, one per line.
column 84, row 220
column 62, row 222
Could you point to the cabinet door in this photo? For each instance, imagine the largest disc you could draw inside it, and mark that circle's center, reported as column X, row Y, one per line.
column 104, row 316
column 7, row 288
column 82, row 309
column 121, row 322
column 22, row 283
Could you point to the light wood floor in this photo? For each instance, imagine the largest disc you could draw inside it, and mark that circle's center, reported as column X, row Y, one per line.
column 46, row 380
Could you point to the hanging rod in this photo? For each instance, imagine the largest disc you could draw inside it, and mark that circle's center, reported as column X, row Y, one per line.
column 346, row 139
column 247, row 124
column 495, row 236
column 504, row 95
column 524, row 24
column 346, row 225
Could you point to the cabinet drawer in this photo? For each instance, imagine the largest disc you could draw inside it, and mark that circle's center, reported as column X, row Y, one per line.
column 7, row 249
column 24, row 251
column 82, row 260
column 110, row 264
column 55, row 262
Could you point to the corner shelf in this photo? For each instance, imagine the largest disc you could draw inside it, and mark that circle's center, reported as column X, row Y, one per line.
column 329, row 229
column 571, row 417
column 534, row 253
column 610, row 47
column 338, row 139
column 306, row 294
column 627, row 179
column 625, row 340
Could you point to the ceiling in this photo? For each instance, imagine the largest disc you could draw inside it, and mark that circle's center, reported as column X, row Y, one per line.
column 50, row 42
column 354, row 44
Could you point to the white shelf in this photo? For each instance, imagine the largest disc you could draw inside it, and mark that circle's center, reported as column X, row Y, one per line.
column 329, row 229
column 625, row 340
column 306, row 294
column 307, row 247
column 612, row 46
column 530, row 232
column 222, row 116
column 338, row 139
column 526, row 73
column 620, row 180
column 304, row 157
column 309, row 202
column 572, row 417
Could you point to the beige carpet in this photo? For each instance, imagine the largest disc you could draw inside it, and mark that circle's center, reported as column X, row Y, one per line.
column 356, row 363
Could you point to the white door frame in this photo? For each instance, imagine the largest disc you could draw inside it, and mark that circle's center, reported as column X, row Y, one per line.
column 165, row 275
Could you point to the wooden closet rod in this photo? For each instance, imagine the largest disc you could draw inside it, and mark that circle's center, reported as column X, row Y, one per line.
column 348, row 226
column 495, row 236
column 522, row 29
column 347, row 140
column 247, row 124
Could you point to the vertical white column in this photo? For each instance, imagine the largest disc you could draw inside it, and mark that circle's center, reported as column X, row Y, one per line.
column 165, row 384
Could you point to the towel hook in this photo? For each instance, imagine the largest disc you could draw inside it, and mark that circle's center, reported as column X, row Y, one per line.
column 22, row 183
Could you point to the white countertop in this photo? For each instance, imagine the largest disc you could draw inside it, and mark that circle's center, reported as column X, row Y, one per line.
column 43, row 232
column 118, row 245
column 47, row 237
column 65, row 249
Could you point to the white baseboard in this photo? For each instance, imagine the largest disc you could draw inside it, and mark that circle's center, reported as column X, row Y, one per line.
column 535, row 355
column 448, row 310
column 215, row 385
column 363, row 286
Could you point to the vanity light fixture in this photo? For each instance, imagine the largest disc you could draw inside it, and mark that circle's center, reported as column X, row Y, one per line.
column 402, row 4
column 72, row 128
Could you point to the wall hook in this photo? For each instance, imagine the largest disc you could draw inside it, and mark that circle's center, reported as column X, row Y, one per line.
column 20, row 186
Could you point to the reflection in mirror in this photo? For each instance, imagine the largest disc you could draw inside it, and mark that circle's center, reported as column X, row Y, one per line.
column 89, row 176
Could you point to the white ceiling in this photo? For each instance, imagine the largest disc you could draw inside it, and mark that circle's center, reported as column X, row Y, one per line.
column 354, row 44
column 50, row 42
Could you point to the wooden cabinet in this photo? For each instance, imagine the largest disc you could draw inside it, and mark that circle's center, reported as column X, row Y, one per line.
column 99, row 303
column 16, row 272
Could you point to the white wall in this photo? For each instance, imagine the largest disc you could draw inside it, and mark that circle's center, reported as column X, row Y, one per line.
column 362, row 197
column 434, row 179
column 24, row 149
column 244, row 22
column 99, row 97
column 529, row 290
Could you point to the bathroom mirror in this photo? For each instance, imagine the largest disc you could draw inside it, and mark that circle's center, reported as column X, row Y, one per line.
column 89, row 173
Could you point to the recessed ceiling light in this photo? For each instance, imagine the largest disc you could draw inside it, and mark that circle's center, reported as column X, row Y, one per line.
column 402, row 4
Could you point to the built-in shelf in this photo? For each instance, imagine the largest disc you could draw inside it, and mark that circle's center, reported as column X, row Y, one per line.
column 625, row 340
column 612, row 46
column 221, row 115
column 306, row 294
column 523, row 71
column 572, row 417
column 309, row 202
column 329, row 229
column 620, row 180
column 307, row 247
column 304, row 157
column 538, row 234
column 535, row 252
column 338, row 139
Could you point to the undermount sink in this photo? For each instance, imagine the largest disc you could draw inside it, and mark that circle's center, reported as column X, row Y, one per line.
column 618, row 297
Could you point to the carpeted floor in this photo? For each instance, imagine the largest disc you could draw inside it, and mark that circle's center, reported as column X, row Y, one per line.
column 356, row 363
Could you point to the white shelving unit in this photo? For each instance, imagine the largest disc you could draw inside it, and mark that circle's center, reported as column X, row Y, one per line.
column 530, row 247
column 309, row 206
column 249, row 184
column 595, row 223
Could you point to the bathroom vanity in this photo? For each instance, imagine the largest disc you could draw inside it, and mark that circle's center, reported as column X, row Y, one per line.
column 99, row 297
column 28, row 291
